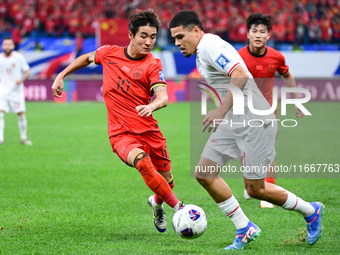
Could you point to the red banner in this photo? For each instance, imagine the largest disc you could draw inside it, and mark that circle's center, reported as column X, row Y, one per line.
column 114, row 32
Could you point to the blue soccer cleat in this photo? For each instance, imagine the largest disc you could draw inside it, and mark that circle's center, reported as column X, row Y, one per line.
column 158, row 215
column 244, row 236
column 314, row 225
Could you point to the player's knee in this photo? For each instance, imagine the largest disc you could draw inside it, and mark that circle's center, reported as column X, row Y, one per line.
column 202, row 179
column 255, row 192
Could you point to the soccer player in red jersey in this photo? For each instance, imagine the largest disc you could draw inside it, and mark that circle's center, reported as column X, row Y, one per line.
column 130, row 76
column 262, row 62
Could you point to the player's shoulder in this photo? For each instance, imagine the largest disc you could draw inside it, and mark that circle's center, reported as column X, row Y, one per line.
column 211, row 39
column 109, row 48
column 273, row 52
column 243, row 50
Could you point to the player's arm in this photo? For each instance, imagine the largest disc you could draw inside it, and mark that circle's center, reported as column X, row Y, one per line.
column 24, row 77
column 160, row 101
column 239, row 78
column 78, row 63
column 290, row 82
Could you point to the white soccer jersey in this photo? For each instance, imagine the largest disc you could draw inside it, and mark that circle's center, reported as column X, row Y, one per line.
column 12, row 69
column 216, row 59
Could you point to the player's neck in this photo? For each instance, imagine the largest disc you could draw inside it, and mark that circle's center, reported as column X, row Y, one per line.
column 257, row 50
column 132, row 53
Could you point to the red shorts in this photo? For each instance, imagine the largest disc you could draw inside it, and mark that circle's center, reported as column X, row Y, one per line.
column 153, row 143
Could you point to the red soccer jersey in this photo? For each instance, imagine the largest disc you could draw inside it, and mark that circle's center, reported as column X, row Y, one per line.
column 127, row 83
column 263, row 68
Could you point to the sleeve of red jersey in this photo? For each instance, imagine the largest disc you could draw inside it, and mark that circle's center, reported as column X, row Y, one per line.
column 283, row 68
column 100, row 53
column 156, row 75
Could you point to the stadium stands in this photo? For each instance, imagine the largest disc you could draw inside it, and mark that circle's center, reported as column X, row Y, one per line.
column 295, row 22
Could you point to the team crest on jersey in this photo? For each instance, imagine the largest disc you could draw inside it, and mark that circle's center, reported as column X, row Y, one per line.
column 271, row 68
column 161, row 76
column 222, row 61
column 13, row 65
column 138, row 73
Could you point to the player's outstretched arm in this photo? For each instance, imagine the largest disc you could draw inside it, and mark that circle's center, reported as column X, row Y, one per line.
column 78, row 63
column 290, row 82
column 160, row 101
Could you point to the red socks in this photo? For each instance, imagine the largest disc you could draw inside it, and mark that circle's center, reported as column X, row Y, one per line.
column 270, row 180
column 154, row 180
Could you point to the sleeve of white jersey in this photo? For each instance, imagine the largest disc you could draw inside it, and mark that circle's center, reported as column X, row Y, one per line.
column 221, row 55
column 24, row 66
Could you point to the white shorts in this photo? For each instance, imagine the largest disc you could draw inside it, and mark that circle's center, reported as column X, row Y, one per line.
column 256, row 146
column 15, row 105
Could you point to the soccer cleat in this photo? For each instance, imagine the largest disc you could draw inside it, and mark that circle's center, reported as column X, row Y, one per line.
column 26, row 142
column 1, row 142
column 245, row 194
column 265, row 204
column 178, row 206
column 314, row 225
column 158, row 215
column 244, row 236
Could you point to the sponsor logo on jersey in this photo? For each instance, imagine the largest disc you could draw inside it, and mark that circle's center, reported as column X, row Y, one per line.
column 222, row 61
column 161, row 76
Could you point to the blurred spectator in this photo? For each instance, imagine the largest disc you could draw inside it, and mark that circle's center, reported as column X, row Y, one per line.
column 79, row 43
column 314, row 31
column 16, row 36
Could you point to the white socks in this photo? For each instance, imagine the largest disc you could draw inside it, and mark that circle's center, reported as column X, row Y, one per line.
column 295, row 203
column 22, row 124
column 232, row 209
column 2, row 126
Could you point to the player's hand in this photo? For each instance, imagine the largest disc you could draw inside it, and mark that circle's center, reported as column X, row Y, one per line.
column 144, row 110
column 211, row 120
column 298, row 112
column 57, row 87
column 18, row 82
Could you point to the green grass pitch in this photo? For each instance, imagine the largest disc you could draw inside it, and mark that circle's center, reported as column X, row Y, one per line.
column 70, row 194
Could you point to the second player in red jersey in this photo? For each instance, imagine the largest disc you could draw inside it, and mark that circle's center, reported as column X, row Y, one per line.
column 262, row 62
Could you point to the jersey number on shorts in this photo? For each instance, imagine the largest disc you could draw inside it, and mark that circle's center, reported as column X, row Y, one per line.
column 164, row 152
column 123, row 85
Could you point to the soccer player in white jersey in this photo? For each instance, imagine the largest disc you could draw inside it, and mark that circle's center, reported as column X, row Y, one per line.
column 14, row 70
column 220, row 65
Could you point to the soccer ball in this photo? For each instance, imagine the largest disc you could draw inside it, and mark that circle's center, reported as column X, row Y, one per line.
column 189, row 221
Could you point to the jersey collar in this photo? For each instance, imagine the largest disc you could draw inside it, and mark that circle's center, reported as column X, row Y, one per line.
column 131, row 58
column 257, row 56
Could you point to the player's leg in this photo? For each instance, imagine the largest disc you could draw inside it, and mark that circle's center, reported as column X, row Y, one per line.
column 2, row 126
column 270, row 178
column 156, row 204
column 260, row 152
column 154, row 180
column 207, row 174
column 22, row 124
column 312, row 212
column 19, row 107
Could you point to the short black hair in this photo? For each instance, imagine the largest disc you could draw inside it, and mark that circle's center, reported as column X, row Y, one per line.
column 187, row 19
column 259, row 19
column 7, row 38
column 143, row 18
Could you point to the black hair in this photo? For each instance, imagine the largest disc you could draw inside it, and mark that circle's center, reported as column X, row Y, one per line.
column 259, row 19
column 143, row 18
column 187, row 19
column 7, row 38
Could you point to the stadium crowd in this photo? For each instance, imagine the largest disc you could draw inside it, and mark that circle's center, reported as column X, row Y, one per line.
column 295, row 21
